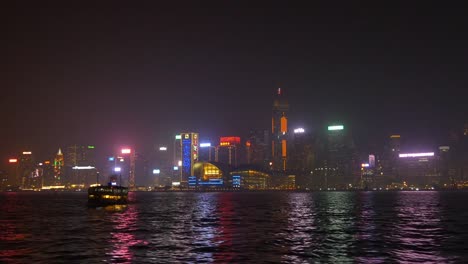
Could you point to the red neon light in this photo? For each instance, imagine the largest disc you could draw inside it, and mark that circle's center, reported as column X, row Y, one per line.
column 13, row 160
column 229, row 141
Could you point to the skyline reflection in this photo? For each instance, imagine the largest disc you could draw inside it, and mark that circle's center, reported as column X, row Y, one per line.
column 362, row 227
column 418, row 227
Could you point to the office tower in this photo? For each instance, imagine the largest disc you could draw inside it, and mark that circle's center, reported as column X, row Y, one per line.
column 388, row 165
column 58, row 167
column 301, row 160
column 301, row 154
column 189, row 145
column 26, row 167
column 142, row 170
column 257, row 147
column 78, row 155
column 279, row 132
column 418, row 169
column 443, row 166
column 227, row 151
column 458, row 164
column 47, row 171
column 341, row 158
column 80, row 166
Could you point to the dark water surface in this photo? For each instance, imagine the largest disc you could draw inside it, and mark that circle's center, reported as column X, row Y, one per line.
column 321, row 227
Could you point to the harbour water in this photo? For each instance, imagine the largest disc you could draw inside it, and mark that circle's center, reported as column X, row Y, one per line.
column 243, row 227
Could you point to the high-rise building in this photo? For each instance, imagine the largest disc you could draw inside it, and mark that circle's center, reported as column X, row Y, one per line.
column 279, row 132
column 80, row 169
column 26, row 167
column 47, row 171
column 177, row 162
column 302, row 156
column 338, row 166
column 418, row 169
column 228, row 150
column 443, row 166
column 458, row 164
column 257, row 147
column 189, row 145
column 58, row 167
column 142, row 170
column 78, row 155
column 389, row 161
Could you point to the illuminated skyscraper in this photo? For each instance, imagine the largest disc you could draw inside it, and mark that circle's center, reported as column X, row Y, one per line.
column 337, row 164
column 279, row 131
column 25, row 169
column 58, row 167
column 80, row 166
column 189, row 144
column 227, row 151
column 77, row 155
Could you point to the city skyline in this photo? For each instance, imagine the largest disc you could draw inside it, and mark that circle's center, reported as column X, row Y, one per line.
column 280, row 157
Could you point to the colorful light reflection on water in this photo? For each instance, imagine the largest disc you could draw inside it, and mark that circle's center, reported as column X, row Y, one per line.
column 363, row 227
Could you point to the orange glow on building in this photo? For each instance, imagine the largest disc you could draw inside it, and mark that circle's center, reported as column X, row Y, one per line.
column 284, row 124
column 395, row 136
column 248, row 144
column 46, row 162
column 273, row 125
column 283, row 148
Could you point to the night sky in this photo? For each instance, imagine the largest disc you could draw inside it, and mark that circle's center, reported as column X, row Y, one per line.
column 112, row 74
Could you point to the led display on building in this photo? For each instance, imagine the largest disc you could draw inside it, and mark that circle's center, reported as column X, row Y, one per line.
column 236, row 181
column 192, row 181
column 227, row 141
column 213, row 182
column 189, row 153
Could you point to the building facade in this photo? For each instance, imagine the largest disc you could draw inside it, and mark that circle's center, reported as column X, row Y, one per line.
column 279, row 132
column 190, row 149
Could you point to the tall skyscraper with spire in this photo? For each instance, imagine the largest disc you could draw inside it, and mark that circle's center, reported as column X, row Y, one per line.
column 279, row 131
column 58, row 167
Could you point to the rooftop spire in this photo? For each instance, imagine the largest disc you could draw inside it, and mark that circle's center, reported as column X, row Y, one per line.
column 59, row 152
column 279, row 91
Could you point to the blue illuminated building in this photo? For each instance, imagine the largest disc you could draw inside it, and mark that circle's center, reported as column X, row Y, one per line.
column 186, row 156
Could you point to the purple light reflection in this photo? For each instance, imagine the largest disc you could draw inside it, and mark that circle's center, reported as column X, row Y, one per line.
column 122, row 237
column 419, row 227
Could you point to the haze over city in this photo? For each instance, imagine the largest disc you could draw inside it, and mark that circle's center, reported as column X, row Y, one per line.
column 112, row 75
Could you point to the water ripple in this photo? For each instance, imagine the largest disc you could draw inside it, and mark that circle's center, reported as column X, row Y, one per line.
column 322, row 227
